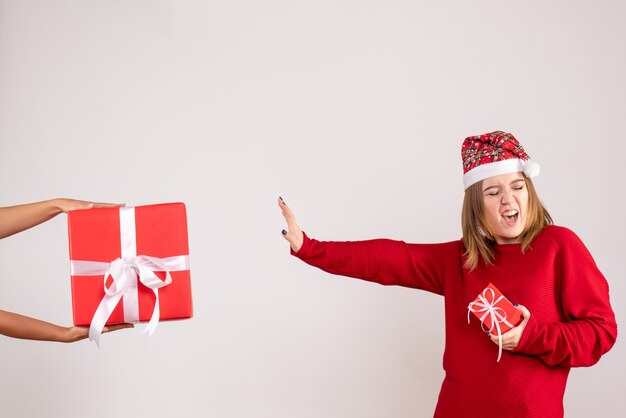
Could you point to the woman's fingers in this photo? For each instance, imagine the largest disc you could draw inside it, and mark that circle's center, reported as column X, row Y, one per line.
column 293, row 234
column 77, row 333
column 511, row 338
column 107, row 205
column 116, row 327
column 288, row 214
column 525, row 313
column 66, row 205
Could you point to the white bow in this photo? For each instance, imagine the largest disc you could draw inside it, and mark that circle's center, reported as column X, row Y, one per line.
column 125, row 273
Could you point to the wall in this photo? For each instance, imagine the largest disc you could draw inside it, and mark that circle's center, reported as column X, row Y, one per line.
column 354, row 112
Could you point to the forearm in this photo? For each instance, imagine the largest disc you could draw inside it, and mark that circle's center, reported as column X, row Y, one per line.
column 588, row 328
column 14, row 219
column 576, row 343
column 24, row 327
column 382, row 261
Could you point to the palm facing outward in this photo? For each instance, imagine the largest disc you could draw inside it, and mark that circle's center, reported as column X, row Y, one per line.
column 293, row 234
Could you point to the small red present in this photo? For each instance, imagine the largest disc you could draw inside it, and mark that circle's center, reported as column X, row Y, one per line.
column 496, row 313
column 129, row 264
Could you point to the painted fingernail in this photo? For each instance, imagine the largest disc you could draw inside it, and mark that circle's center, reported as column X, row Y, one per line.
column 284, row 232
column 281, row 199
column 516, row 305
column 489, row 334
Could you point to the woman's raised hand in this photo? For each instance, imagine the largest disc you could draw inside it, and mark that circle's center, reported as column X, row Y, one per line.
column 293, row 234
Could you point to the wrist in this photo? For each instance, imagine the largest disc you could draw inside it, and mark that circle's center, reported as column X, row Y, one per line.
column 70, row 335
column 56, row 206
column 67, row 334
column 61, row 334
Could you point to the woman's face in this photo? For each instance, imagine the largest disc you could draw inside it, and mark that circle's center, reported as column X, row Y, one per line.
column 506, row 202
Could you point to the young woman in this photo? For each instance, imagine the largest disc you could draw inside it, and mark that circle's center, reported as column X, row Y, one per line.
column 16, row 219
column 510, row 241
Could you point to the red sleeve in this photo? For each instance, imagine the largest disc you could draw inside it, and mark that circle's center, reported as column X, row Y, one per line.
column 384, row 261
column 589, row 329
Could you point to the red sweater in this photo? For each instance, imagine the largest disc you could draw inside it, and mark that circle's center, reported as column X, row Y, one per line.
column 571, row 324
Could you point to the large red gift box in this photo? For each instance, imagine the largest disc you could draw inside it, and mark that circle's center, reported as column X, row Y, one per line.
column 130, row 246
column 496, row 313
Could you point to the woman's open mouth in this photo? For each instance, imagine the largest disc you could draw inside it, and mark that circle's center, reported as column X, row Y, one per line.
column 510, row 216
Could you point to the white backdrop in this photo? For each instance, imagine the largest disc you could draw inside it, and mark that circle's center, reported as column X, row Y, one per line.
column 353, row 111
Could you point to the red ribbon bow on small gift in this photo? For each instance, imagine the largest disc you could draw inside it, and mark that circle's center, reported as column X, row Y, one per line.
column 486, row 309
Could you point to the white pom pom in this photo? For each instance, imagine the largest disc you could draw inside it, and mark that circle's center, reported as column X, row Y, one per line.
column 531, row 169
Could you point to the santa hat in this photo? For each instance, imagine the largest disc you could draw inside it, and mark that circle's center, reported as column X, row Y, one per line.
column 492, row 154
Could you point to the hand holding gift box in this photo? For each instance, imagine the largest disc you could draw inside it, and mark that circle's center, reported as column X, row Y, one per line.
column 129, row 264
column 496, row 313
column 15, row 219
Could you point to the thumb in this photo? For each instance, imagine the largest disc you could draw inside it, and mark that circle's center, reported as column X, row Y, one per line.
column 525, row 312
column 292, row 239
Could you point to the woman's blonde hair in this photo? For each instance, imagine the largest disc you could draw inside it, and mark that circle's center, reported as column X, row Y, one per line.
column 477, row 237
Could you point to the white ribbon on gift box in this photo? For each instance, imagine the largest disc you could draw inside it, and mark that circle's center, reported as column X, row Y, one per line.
column 126, row 271
column 490, row 309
